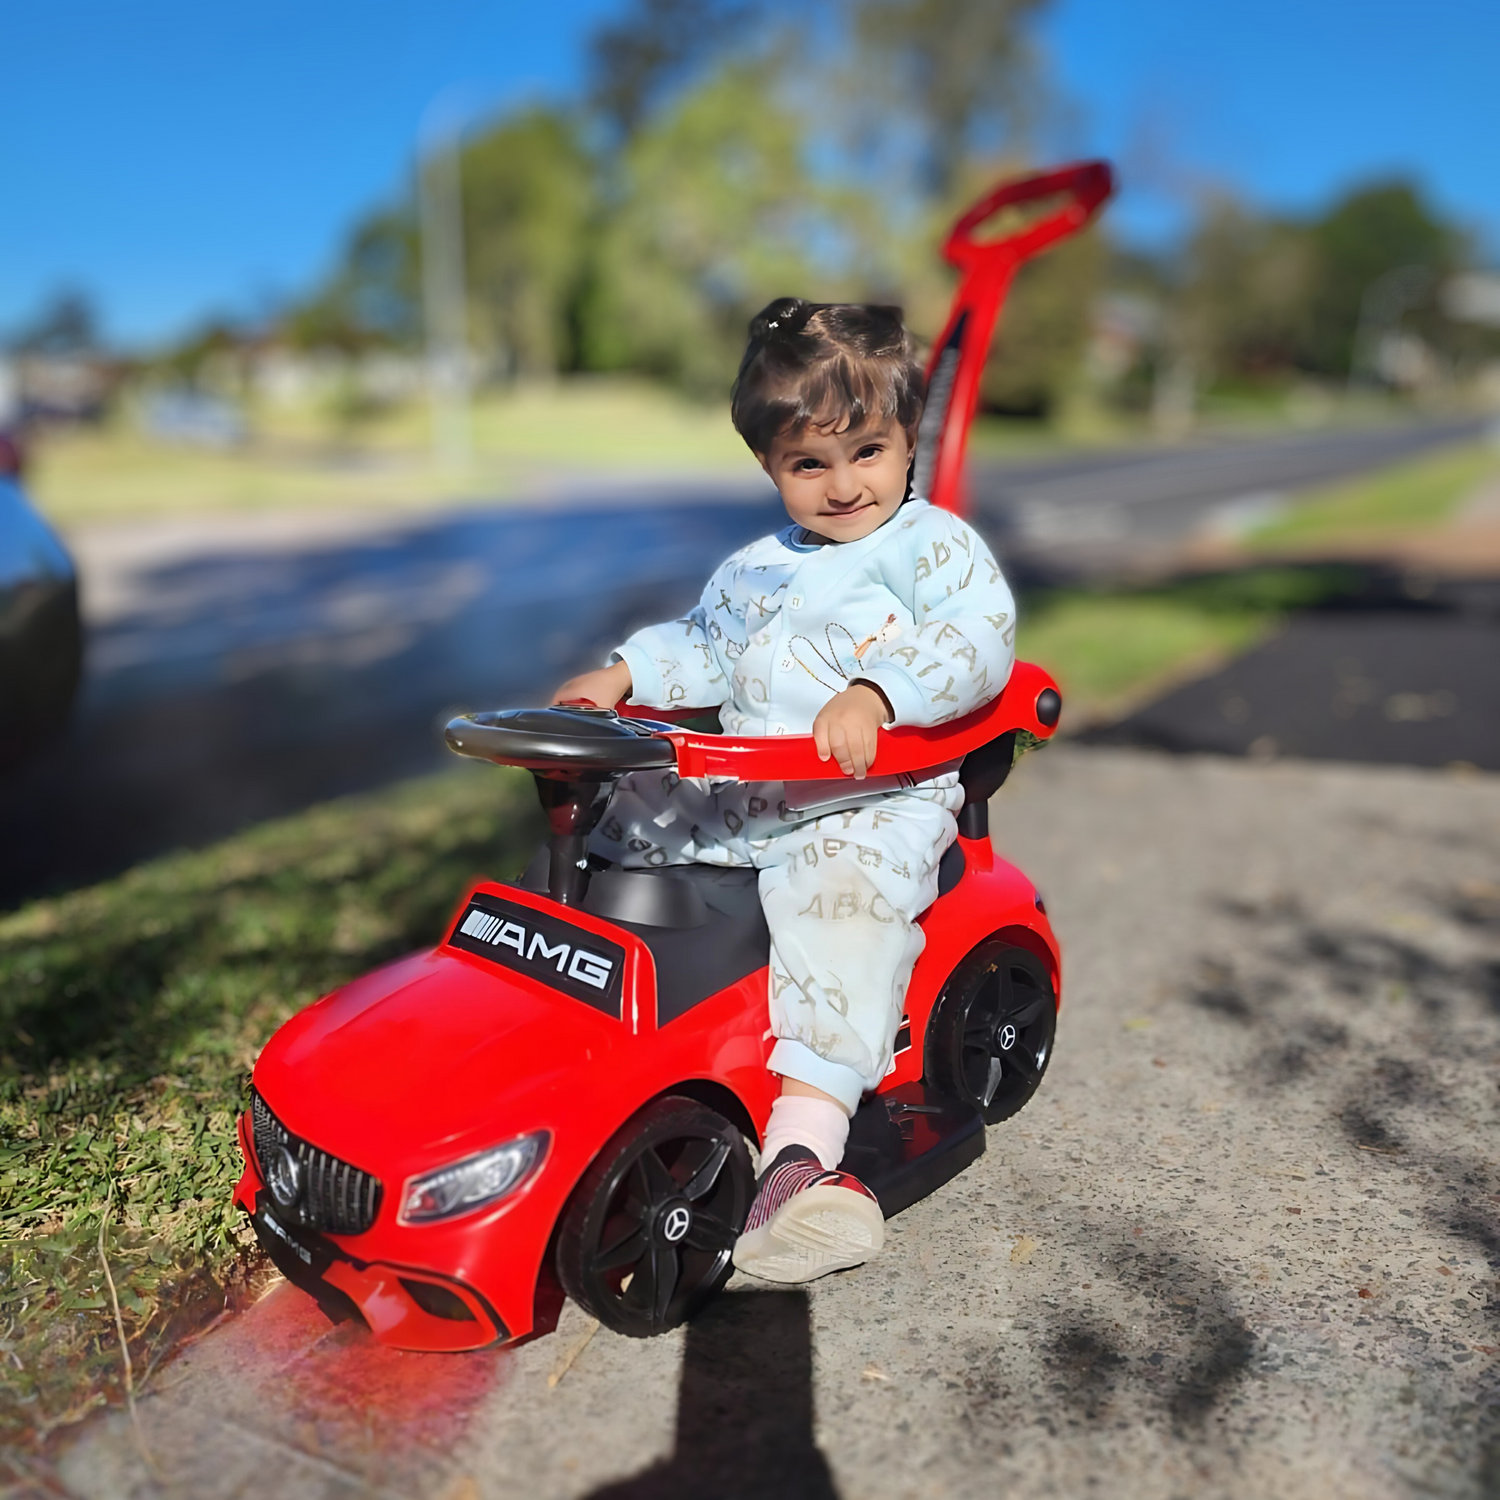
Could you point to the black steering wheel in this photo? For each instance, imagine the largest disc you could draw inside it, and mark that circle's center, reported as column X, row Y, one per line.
column 566, row 743
column 576, row 753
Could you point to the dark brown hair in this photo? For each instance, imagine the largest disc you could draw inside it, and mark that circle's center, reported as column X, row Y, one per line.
column 824, row 364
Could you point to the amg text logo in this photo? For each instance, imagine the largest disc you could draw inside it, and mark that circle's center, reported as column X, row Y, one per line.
column 576, row 963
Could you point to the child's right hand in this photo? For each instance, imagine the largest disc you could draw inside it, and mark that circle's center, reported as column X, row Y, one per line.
column 604, row 687
column 847, row 727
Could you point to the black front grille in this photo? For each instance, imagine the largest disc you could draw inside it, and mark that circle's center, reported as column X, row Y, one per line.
column 335, row 1197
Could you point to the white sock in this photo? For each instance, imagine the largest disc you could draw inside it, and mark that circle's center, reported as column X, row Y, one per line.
column 819, row 1124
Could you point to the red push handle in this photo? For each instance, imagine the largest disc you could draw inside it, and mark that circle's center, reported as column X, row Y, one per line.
column 1087, row 184
column 958, row 357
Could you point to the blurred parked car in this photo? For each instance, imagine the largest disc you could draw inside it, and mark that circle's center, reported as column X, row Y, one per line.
column 41, row 637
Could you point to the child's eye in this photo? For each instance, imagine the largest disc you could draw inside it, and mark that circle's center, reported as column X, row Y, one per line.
column 806, row 465
column 870, row 450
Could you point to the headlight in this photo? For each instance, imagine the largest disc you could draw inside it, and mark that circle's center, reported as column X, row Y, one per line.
column 472, row 1182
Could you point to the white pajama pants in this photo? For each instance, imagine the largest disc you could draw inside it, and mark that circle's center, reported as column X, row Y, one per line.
column 841, row 888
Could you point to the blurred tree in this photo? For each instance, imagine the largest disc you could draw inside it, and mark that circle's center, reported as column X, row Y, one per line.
column 654, row 48
column 530, row 198
column 371, row 298
column 1242, row 302
column 1369, row 233
column 937, row 90
column 214, row 342
column 67, row 323
column 380, row 277
column 650, row 256
column 1261, row 299
column 1044, row 329
column 530, row 201
column 716, row 215
column 954, row 76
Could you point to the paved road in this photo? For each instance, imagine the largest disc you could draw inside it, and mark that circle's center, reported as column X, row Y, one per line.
column 1129, row 509
column 1244, row 1242
column 244, row 667
column 239, row 672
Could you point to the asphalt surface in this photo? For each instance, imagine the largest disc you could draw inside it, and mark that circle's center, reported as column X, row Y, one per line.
column 1381, row 677
column 238, row 672
column 1130, row 510
column 1245, row 1241
column 243, row 667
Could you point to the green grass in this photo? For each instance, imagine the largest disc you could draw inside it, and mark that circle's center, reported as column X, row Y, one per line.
column 1408, row 497
column 130, row 1015
column 1108, row 648
column 1102, row 648
column 304, row 457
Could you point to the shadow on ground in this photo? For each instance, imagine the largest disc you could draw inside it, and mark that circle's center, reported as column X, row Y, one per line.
column 744, row 1408
column 1315, row 1007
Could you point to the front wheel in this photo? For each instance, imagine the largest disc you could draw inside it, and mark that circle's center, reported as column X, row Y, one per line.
column 649, row 1232
column 990, row 1037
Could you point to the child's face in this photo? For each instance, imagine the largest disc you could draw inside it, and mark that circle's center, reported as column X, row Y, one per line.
column 840, row 486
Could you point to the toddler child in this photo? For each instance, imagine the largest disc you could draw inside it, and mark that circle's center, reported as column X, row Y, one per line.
column 871, row 608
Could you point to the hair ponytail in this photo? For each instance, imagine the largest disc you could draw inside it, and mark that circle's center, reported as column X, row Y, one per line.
column 777, row 315
column 779, row 320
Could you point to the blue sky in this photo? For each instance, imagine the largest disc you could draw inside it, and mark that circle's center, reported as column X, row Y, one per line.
column 175, row 158
column 1286, row 101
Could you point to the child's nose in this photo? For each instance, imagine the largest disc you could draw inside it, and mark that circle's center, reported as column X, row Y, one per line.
column 844, row 486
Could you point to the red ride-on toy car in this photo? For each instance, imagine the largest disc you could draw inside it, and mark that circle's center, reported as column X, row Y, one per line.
column 557, row 1097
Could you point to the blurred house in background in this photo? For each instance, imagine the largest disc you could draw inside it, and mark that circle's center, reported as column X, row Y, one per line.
column 55, row 369
column 61, row 387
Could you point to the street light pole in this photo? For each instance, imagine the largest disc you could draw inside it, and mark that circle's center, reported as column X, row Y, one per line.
column 444, row 298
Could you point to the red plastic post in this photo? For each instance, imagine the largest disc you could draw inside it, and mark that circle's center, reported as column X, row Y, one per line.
column 958, row 356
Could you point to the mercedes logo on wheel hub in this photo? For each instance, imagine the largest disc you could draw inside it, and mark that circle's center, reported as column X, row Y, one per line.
column 1007, row 1037
column 676, row 1222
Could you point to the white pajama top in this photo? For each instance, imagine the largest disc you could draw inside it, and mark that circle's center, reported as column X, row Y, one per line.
column 918, row 607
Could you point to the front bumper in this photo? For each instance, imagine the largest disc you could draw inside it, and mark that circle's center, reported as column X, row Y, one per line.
column 408, row 1307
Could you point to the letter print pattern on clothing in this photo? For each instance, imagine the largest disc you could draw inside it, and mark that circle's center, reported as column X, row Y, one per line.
column 841, row 893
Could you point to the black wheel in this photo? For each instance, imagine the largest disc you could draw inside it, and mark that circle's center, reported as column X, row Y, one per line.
column 990, row 1037
column 647, row 1236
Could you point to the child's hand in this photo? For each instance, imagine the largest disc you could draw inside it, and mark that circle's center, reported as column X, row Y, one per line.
column 846, row 727
column 606, row 687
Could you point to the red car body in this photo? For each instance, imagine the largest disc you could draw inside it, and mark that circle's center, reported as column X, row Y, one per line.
column 448, row 1053
column 444, row 1054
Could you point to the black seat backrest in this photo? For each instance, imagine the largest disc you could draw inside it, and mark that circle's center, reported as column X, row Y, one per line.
column 982, row 774
column 703, row 923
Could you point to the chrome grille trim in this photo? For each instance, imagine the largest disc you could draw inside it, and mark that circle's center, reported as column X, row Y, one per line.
column 337, row 1197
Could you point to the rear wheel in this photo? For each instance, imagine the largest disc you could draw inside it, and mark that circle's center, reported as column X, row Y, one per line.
column 990, row 1037
column 648, row 1235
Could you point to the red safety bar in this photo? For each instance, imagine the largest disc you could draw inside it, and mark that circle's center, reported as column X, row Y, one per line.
column 958, row 358
column 794, row 757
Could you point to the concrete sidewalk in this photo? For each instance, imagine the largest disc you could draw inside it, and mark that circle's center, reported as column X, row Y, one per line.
column 1244, row 1243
